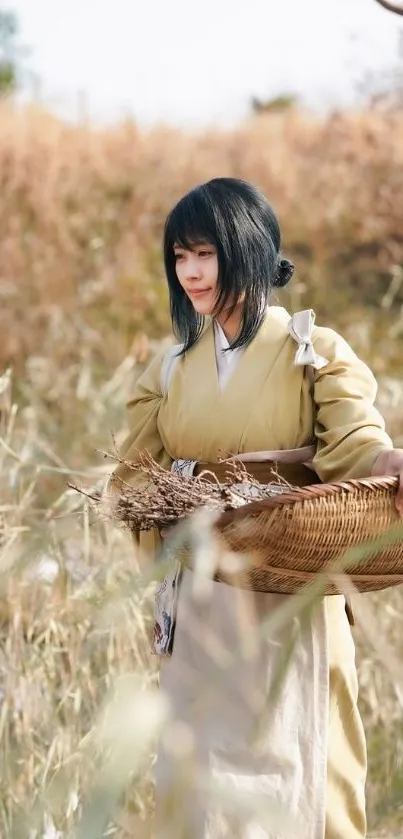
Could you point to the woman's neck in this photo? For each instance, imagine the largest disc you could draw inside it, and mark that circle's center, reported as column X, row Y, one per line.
column 231, row 323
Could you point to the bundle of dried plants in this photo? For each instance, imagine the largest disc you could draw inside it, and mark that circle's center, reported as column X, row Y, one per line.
column 160, row 498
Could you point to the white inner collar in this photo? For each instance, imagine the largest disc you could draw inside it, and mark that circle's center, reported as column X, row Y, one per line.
column 222, row 342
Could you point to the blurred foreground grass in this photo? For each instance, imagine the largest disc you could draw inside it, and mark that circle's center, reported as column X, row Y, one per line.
column 75, row 621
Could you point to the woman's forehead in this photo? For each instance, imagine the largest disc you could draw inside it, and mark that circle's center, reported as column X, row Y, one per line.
column 191, row 244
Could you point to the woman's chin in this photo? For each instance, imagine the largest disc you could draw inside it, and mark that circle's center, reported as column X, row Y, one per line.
column 203, row 308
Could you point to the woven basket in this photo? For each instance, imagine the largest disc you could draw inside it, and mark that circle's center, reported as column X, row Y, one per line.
column 288, row 539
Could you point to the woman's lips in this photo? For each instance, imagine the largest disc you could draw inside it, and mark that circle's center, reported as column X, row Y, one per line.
column 199, row 292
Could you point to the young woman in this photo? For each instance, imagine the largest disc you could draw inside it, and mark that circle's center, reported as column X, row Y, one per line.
column 248, row 379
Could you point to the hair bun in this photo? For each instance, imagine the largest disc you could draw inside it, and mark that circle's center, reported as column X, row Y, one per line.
column 284, row 273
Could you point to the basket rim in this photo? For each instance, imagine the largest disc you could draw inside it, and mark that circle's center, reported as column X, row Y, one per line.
column 311, row 492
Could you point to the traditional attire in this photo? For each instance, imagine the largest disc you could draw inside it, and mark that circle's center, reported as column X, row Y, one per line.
column 303, row 747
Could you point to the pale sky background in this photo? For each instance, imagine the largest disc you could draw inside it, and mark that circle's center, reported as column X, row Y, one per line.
column 196, row 63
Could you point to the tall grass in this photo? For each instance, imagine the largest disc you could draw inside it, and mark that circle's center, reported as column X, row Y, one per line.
column 83, row 306
column 76, row 621
column 82, row 210
column 73, row 620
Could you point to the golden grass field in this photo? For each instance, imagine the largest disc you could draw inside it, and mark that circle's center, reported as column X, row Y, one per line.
column 82, row 306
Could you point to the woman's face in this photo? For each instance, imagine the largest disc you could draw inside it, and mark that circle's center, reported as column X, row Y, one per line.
column 197, row 272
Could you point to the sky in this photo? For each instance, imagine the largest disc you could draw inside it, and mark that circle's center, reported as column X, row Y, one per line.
column 199, row 63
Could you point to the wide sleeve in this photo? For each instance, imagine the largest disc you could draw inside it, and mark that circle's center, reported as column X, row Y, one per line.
column 143, row 437
column 349, row 430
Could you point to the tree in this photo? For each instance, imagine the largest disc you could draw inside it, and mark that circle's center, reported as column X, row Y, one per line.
column 276, row 105
column 11, row 53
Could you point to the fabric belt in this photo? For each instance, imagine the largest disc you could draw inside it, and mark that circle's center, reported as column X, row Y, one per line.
column 264, row 472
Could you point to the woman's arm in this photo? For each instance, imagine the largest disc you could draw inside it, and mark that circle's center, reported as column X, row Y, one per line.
column 352, row 441
column 143, row 437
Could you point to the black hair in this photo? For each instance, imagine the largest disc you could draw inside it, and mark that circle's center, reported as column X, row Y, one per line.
column 239, row 222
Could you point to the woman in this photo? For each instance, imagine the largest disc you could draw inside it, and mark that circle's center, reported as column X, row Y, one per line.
column 249, row 379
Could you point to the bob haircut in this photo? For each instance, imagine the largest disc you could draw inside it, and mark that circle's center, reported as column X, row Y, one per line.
column 239, row 222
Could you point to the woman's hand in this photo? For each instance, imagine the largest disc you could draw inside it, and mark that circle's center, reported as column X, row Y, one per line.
column 390, row 462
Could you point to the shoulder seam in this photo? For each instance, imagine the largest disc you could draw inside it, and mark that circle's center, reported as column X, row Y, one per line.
column 168, row 365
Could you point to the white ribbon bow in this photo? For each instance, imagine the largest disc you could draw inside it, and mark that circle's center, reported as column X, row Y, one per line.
column 300, row 327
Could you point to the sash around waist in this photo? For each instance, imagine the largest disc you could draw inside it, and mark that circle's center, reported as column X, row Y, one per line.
column 264, row 472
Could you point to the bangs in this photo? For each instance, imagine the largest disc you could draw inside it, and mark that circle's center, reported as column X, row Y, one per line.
column 190, row 223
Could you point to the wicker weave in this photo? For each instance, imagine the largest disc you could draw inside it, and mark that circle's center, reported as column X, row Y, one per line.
column 290, row 538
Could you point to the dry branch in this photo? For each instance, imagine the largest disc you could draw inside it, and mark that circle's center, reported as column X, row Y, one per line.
column 390, row 7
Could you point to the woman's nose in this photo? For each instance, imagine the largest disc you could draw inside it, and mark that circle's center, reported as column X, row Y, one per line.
column 192, row 268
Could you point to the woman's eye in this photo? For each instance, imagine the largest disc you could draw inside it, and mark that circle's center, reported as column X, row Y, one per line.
column 178, row 256
column 205, row 253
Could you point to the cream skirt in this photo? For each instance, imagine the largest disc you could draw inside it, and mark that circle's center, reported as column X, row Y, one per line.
column 265, row 740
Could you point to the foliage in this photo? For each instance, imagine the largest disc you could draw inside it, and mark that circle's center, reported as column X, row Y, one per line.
column 278, row 103
column 10, row 52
